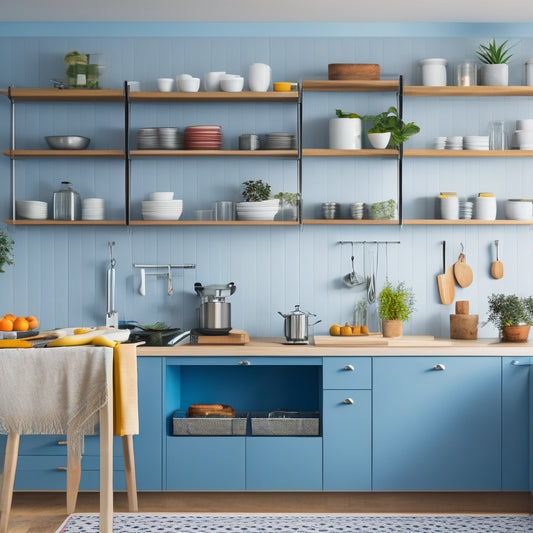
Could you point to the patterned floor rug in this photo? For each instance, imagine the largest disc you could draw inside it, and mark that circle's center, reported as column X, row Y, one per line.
column 300, row 523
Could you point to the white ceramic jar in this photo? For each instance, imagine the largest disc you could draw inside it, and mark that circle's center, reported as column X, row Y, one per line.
column 529, row 71
column 449, row 208
column 485, row 207
column 434, row 71
column 259, row 75
column 345, row 133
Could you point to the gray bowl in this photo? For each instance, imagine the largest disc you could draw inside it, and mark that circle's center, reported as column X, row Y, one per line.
column 67, row 142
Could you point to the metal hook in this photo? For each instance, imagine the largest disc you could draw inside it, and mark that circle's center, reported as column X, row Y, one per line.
column 462, row 248
column 169, row 269
column 112, row 260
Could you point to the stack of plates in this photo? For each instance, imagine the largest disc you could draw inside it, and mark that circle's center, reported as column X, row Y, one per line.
column 32, row 209
column 92, row 209
column 357, row 210
column 476, row 142
column 440, row 143
column 162, row 209
column 167, row 138
column 280, row 141
column 454, row 143
column 203, row 137
column 465, row 209
column 265, row 210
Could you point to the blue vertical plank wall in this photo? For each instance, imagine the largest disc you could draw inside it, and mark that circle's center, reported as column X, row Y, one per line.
column 59, row 272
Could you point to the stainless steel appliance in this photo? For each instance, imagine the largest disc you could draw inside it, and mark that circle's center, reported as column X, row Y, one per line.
column 214, row 313
column 297, row 326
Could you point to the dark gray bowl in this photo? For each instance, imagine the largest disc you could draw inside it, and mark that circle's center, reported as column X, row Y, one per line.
column 67, row 142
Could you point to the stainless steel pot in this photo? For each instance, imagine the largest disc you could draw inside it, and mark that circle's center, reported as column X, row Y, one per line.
column 214, row 313
column 297, row 326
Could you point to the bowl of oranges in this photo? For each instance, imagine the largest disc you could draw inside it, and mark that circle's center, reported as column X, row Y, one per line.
column 18, row 326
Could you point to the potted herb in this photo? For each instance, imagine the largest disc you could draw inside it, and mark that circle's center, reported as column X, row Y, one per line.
column 389, row 123
column 395, row 306
column 6, row 250
column 386, row 210
column 345, row 131
column 258, row 204
column 288, row 207
column 512, row 315
column 494, row 56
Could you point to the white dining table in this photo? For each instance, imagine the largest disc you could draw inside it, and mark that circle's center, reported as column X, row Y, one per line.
column 63, row 391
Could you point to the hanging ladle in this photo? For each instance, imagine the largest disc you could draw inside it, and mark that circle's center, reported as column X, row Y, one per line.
column 353, row 279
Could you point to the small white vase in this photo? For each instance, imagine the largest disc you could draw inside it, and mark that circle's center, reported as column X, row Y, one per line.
column 379, row 140
column 259, row 75
column 345, row 133
column 495, row 74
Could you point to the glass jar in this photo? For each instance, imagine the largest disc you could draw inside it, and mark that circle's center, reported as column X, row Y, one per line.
column 466, row 74
column 67, row 203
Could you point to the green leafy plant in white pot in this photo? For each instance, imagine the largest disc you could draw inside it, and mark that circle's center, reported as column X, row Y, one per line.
column 388, row 130
column 495, row 58
column 258, row 203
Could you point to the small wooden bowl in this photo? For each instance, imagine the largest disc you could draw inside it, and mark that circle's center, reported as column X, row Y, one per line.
column 353, row 71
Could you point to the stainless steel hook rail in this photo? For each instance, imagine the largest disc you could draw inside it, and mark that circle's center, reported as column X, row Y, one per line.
column 184, row 265
column 369, row 242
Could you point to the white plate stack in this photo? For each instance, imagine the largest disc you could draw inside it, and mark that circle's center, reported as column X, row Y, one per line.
column 279, row 141
column 454, row 143
column 357, row 210
column 170, row 138
column 440, row 143
column 476, row 142
column 92, row 209
column 162, row 209
column 31, row 209
column 465, row 209
column 265, row 210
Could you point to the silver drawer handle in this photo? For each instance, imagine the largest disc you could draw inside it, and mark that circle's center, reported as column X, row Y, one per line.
column 61, row 468
column 348, row 401
column 61, row 442
column 244, row 363
column 349, row 368
column 519, row 363
column 439, row 366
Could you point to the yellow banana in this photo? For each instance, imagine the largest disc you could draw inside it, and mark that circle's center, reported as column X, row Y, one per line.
column 15, row 343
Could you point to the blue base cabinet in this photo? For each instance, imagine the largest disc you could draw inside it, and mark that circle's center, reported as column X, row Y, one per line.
column 437, row 423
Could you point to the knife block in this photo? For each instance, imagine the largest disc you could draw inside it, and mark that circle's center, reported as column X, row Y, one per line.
column 462, row 324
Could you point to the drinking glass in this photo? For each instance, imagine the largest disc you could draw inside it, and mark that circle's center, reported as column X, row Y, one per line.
column 497, row 140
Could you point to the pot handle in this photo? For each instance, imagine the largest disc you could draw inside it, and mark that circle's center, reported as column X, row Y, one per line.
column 281, row 314
column 315, row 323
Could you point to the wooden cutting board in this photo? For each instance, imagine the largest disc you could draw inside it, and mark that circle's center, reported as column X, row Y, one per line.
column 235, row 336
column 379, row 340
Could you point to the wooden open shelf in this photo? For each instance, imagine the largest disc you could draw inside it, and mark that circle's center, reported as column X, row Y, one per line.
column 365, row 152
column 213, row 223
column 475, row 90
column 347, row 221
column 351, row 85
column 64, row 95
column 466, row 153
column 28, row 154
column 472, row 222
column 47, row 222
column 214, row 153
column 214, row 96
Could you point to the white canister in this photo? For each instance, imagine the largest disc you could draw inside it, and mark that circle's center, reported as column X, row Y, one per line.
column 345, row 133
column 449, row 208
column 529, row 71
column 433, row 71
column 485, row 207
column 259, row 75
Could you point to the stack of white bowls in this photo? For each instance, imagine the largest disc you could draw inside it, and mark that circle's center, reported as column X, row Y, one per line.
column 32, row 209
column 440, row 143
column 523, row 135
column 454, row 143
column 357, row 210
column 265, row 210
column 476, row 142
column 465, row 209
column 162, row 206
column 92, row 209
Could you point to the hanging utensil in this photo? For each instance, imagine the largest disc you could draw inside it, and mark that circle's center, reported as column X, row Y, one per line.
column 496, row 268
column 462, row 272
column 169, row 273
column 371, row 290
column 445, row 280
column 353, row 279
column 111, row 316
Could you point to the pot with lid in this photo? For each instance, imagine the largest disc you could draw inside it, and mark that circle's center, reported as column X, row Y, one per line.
column 297, row 326
column 214, row 313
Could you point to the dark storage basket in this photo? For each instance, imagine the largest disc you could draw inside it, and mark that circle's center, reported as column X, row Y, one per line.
column 209, row 425
column 295, row 423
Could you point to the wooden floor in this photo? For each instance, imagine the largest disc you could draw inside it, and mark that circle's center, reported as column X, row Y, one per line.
column 43, row 512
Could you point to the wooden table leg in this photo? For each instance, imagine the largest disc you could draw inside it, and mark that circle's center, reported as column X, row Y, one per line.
column 73, row 481
column 129, row 470
column 8, row 479
column 106, row 466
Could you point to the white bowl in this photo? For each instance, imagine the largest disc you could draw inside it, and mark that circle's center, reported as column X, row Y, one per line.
column 231, row 83
column 165, row 84
column 161, row 196
column 189, row 85
column 518, row 209
column 524, row 138
column 212, row 80
column 524, row 124
column 264, row 203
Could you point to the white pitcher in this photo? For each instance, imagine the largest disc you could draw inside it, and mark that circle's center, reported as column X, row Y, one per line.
column 259, row 77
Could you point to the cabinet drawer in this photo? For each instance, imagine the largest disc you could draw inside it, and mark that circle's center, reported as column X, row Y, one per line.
column 57, row 445
column 205, row 463
column 347, row 373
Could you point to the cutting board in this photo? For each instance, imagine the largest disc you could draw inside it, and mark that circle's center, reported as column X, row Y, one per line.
column 235, row 336
column 379, row 340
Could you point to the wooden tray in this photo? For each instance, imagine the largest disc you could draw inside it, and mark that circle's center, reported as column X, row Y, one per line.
column 235, row 336
column 376, row 339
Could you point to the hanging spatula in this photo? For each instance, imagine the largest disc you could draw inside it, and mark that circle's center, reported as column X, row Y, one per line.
column 496, row 267
column 445, row 280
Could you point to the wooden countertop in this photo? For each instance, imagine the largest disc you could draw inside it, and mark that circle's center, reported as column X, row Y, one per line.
column 273, row 347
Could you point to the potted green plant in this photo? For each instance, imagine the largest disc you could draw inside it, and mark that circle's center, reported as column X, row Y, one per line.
column 288, row 207
column 258, row 203
column 494, row 56
column 6, row 250
column 390, row 123
column 512, row 315
column 396, row 304
column 386, row 210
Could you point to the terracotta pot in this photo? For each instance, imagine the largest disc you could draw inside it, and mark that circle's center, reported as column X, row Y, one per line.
column 392, row 328
column 515, row 333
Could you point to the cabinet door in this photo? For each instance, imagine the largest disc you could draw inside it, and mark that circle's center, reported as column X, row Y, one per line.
column 347, row 438
column 515, row 422
column 283, row 463
column 205, row 463
column 347, row 373
column 437, row 427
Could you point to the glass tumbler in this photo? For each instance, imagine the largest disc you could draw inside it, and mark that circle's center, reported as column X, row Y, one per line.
column 466, row 74
column 497, row 140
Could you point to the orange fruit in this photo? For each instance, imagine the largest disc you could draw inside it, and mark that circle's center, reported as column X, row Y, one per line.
column 21, row 324
column 356, row 330
column 9, row 316
column 32, row 322
column 6, row 324
column 346, row 330
column 335, row 329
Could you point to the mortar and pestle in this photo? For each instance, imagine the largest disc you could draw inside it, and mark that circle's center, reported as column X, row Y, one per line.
column 462, row 324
